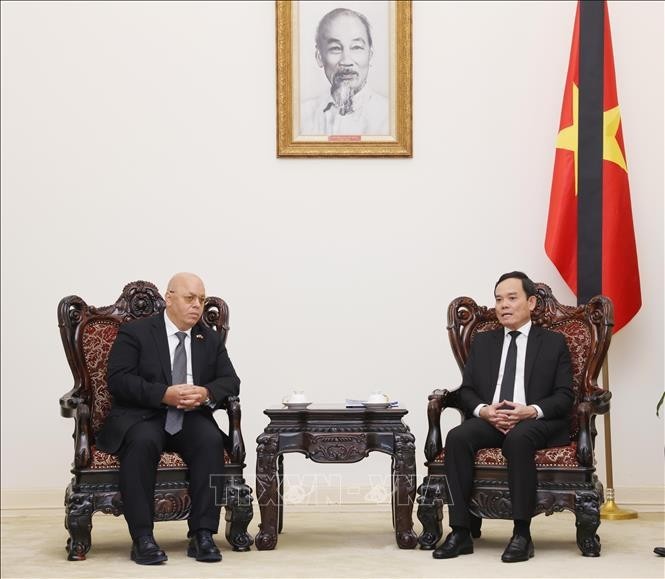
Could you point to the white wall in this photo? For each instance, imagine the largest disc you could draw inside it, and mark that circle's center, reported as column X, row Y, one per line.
column 121, row 121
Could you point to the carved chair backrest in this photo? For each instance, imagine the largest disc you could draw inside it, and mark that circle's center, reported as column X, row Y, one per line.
column 88, row 334
column 587, row 329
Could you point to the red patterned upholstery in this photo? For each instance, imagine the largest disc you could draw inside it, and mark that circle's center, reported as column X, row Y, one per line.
column 103, row 461
column 556, row 457
column 98, row 337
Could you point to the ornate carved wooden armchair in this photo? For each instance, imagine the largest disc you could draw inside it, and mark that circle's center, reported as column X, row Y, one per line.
column 87, row 335
column 566, row 475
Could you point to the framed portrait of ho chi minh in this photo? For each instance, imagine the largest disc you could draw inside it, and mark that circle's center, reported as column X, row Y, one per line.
column 344, row 78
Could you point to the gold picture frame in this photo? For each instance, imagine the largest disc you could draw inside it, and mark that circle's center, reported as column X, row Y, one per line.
column 381, row 124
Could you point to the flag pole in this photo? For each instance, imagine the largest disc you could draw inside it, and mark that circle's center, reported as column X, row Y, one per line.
column 609, row 509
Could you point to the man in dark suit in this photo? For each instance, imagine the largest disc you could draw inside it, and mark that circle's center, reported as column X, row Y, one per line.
column 516, row 393
column 166, row 374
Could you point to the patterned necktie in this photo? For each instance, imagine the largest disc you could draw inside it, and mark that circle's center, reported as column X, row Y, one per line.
column 174, row 416
column 508, row 380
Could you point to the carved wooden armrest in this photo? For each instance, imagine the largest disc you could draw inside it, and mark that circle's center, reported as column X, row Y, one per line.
column 82, row 435
column 74, row 406
column 437, row 401
column 69, row 403
column 600, row 401
column 236, row 444
column 597, row 403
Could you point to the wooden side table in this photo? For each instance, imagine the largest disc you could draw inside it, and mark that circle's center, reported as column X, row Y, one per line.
column 334, row 434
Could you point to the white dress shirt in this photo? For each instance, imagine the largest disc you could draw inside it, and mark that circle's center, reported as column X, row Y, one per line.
column 370, row 116
column 519, row 394
column 171, row 330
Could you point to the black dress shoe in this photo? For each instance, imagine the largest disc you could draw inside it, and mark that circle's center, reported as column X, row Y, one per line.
column 519, row 549
column 203, row 548
column 145, row 551
column 456, row 543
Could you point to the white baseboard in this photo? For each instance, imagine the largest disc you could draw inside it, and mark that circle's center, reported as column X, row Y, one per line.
column 32, row 499
column 641, row 499
column 329, row 499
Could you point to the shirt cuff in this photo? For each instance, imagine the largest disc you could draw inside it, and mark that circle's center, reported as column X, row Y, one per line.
column 476, row 412
column 539, row 410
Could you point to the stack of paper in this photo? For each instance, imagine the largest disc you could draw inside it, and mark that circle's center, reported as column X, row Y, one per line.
column 361, row 403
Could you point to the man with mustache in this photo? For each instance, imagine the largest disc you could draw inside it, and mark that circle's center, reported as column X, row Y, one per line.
column 344, row 50
column 516, row 394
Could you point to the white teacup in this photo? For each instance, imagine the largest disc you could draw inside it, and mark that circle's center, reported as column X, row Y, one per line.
column 378, row 397
column 296, row 397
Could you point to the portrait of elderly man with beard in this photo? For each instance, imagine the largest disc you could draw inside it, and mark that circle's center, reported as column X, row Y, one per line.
column 344, row 51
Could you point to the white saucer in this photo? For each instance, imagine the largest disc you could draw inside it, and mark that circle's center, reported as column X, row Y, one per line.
column 296, row 405
column 376, row 405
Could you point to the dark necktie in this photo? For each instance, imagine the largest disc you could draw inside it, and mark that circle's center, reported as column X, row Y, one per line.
column 174, row 416
column 508, row 380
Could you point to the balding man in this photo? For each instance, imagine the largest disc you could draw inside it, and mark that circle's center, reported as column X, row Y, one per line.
column 166, row 375
column 344, row 50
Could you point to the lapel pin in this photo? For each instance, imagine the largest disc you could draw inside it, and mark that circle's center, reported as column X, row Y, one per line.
column 199, row 336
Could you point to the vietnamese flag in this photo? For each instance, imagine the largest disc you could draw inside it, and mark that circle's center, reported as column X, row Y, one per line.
column 590, row 236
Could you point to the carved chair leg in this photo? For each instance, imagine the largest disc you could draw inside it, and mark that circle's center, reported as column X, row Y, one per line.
column 238, row 514
column 78, row 521
column 587, row 521
column 430, row 511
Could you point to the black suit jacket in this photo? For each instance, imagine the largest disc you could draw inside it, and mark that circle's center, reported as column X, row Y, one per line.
column 548, row 377
column 139, row 372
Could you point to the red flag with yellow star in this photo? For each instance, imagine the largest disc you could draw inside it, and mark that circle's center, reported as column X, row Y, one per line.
column 590, row 236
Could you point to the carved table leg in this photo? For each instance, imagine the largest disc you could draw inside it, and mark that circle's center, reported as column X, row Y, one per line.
column 392, row 490
column 430, row 510
column 587, row 521
column 280, row 492
column 267, row 490
column 78, row 521
column 238, row 514
column 404, row 475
